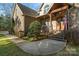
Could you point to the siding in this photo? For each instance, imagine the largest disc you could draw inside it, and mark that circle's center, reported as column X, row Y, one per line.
column 28, row 20
column 18, row 13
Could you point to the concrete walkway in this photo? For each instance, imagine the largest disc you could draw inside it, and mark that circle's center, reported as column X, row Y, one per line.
column 42, row 47
column 4, row 32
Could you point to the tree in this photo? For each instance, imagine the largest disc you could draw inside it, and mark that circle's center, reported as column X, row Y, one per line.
column 72, row 34
column 5, row 20
column 5, row 23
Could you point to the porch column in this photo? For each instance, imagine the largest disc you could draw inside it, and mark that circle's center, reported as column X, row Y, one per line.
column 51, row 29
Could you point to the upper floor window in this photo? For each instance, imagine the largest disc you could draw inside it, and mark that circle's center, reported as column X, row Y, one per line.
column 17, row 21
column 77, row 4
column 46, row 8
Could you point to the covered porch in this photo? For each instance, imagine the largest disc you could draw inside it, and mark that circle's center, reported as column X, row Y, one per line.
column 55, row 22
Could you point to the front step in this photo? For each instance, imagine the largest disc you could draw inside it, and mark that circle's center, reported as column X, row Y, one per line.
column 57, row 37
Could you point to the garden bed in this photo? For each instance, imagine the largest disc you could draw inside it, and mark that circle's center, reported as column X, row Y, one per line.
column 40, row 37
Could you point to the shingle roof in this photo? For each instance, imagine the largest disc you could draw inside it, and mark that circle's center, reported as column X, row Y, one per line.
column 27, row 10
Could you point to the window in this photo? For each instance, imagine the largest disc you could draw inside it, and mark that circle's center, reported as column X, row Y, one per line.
column 54, row 23
column 17, row 21
column 62, row 25
column 46, row 8
column 77, row 4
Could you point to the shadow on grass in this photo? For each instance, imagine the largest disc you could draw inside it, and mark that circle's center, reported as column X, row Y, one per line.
column 7, row 48
column 2, row 36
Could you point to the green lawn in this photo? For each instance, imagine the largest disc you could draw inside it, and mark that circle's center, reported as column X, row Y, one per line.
column 7, row 48
column 70, row 50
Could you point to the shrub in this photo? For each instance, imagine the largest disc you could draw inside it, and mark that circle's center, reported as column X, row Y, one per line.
column 34, row 29
column 42, row 37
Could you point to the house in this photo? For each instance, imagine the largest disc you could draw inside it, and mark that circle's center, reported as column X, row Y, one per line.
column 51, row 15
column 22, row 17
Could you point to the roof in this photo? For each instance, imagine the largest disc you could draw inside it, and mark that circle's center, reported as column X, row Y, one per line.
column 41, row 5
column 54, row 7
column 26, row 10
column 32, row 13
column 57, row 5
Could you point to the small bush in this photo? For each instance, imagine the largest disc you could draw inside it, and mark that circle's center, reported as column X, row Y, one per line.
column 34, row 29
column 42, row 37
column 25, row 38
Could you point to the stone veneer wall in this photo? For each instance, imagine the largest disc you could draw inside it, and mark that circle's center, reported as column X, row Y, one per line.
column 73, row 25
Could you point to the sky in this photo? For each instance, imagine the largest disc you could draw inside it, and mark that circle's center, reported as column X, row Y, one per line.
column 34, row 6
column 5, row 7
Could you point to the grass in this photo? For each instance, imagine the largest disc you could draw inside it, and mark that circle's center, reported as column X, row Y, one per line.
column 70, row 50
column 7, row 48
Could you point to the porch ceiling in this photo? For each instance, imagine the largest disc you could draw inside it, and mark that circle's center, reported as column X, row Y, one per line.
column 61, row 14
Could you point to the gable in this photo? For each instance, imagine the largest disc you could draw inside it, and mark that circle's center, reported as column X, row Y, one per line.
column 48, row 7
column 17, row 11
column 57, row 9
column 45, row 8
column 27, row 10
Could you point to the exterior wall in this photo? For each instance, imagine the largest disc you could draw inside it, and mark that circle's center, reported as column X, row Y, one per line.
column 18, row 18
column 27, row 21
column 57, row 26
